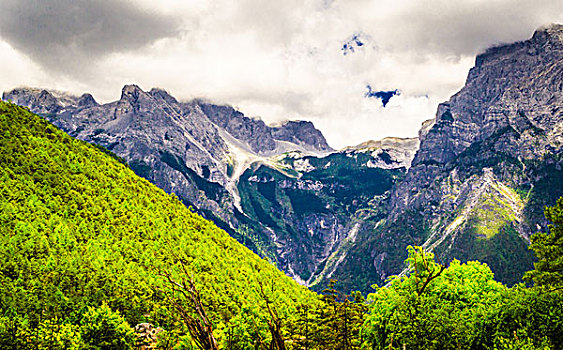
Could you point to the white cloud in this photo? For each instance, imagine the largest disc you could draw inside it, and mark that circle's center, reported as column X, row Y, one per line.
column 283, row 60
column 17, row 68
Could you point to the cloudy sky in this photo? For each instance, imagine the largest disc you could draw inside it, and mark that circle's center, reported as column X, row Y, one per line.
column 319, row 60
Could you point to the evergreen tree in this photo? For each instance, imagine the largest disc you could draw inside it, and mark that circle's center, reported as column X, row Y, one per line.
column 548, row 248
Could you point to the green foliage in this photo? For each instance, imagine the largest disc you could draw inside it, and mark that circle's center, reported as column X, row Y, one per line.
column 515, row 343
column 305, row 202
column 102, row 328
column 460, row 307
column 506, row 252
column 109, row 153
column 334, row 323
column 527, row 317
column 341, row 319
column 545, row 190
column 548, row 248
column 79, row 230
column 97, row 328
column 51, row 334
column 432, row 308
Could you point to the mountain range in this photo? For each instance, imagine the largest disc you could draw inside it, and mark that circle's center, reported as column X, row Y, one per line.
column 472, row 186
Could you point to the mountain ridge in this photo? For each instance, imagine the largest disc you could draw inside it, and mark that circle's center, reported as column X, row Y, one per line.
column 201, row 151
column 471, row 186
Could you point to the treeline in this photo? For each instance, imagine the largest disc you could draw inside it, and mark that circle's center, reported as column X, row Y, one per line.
column 94, row 257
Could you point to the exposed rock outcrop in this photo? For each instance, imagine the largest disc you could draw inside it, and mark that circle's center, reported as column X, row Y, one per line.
column 390, row 152
column 477, row 185
column 301, row 133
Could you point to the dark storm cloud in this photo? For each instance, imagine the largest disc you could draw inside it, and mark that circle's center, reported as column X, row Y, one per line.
column 63, row 35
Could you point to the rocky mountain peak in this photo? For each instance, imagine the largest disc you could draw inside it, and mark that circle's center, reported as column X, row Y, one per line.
column 494, row 94
column 136, row 100
column 506, row 117
column 253, row 132
column 36, row 99
column 87, row 100
column 551, row 34
column 547, row 38
column 426, row 126
column 163, row 94
column 131, row 92
column 264, row 139
column 301, row 132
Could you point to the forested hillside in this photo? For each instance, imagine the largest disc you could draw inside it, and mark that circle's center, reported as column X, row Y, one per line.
column 84, row 242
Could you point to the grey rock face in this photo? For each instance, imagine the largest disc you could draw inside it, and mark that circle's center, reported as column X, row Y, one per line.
column 487, row 164
column 39, row 100
column 197, row 151
column 302, row 133
column 254, row 132
column 86, row 100
column 262, row 138
column 514, row 88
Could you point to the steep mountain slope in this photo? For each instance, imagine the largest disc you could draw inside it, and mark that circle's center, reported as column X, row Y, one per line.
column 176, row 146
column 314, row 206
column 277, row 189
column 78, row 229
column 486, row 167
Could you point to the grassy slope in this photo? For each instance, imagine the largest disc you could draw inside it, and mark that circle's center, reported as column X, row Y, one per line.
column 79, row 228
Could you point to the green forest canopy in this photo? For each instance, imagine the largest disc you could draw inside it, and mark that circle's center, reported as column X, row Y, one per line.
column 79, row 229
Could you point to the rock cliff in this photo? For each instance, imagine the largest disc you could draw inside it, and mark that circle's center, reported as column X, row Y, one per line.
column 487, row 164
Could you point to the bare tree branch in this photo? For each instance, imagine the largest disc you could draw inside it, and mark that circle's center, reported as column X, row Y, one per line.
column 199, row 326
